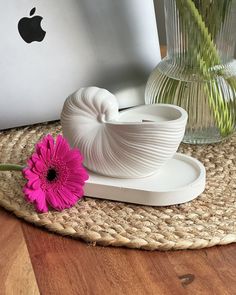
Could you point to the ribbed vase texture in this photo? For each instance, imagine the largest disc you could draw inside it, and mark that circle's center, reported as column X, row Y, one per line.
column 199, row 71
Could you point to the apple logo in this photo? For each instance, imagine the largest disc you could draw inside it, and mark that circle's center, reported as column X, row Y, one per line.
column 30, row 28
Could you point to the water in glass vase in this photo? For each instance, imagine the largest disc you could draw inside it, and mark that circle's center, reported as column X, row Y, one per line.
column 199, row 72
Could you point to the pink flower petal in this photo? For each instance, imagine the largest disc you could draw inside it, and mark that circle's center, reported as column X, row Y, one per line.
column 34, row 158
column 37, row 197
column 75, row 187
column 30, row 163
column 50, row 142
column 66, row 188
column 79, row 174
column 40, row 203
column 61, row 199
column 73, row 155
column 33, row 184
column 31, row 194
column 54, row 200
column 74, row 167
column 28, row 174
column 45, row 148
column 50, row 146
column 62, row 147
column 39, row 166
column 69, row 197
column 44, row 154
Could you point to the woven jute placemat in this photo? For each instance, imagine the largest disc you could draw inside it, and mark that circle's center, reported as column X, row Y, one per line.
column 206, row 221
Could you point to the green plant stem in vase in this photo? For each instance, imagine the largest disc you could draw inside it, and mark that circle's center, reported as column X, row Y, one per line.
column 199, row 71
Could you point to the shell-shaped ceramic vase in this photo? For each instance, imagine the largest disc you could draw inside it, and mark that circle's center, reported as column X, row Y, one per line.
column 129, row 144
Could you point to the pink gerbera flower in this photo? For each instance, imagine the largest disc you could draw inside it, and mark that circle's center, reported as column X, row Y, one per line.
column 55, row 175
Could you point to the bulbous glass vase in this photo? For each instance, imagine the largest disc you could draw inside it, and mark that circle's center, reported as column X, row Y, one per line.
column 199, row 71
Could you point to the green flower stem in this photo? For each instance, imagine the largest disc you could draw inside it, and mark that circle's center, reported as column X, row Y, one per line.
column 11, row 167
column 201, row 29
column 207, row 59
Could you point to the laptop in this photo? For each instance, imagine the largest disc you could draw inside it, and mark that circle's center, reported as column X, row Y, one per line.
column 50, row 48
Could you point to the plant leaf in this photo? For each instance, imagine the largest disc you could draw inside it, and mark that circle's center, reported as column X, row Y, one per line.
column 32, row 11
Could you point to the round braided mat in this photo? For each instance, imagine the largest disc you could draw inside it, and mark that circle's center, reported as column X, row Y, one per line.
column 207, row 221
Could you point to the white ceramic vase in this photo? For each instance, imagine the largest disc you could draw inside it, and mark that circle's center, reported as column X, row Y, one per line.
column 130, row 144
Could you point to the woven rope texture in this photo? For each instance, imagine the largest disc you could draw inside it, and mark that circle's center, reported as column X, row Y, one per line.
column 207, row 221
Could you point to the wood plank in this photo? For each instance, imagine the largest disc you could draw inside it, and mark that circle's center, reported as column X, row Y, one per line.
column 66, row 266
column 200, row 271
column 16, row 272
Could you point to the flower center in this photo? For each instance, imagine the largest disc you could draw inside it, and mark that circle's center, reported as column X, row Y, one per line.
column 51, row 174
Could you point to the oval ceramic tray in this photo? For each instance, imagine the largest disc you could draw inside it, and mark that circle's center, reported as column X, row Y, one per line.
column 182, row 179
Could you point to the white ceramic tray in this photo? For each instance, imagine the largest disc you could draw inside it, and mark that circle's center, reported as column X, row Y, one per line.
column 181, row 180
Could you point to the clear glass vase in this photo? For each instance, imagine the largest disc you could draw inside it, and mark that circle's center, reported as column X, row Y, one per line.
column 199, row 71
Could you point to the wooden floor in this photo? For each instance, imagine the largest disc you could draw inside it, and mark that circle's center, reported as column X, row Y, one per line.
column 34, row 261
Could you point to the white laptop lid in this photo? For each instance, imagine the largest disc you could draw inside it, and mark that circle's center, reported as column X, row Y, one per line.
column 107, row 43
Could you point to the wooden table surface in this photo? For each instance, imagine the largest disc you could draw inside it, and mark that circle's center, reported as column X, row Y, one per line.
column 34, row 261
